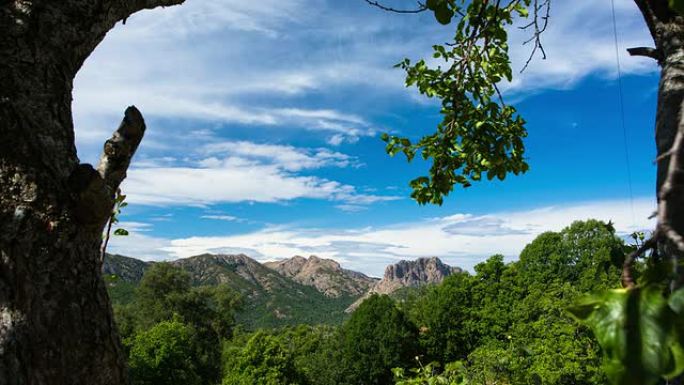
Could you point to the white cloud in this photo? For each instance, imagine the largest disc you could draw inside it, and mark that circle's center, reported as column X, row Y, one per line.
column 579, row 42
column 227, row 218
column 133, row 226
column 350, row 208
column 460, row 239
column 285, row 157
column 241, row 171
column 141, row 246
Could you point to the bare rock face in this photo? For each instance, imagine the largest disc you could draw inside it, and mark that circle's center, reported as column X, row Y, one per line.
column 326, row 275
column 212, row 269
column 420, row 272
column 423, row 271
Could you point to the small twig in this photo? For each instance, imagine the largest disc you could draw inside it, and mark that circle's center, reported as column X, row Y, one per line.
column 539, row 29
column 653, row 53
column 663, row 156
column 105, row 241
column 627, row 273
column 421, row 7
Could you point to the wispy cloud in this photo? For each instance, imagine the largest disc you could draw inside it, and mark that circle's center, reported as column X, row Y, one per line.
column 227, row 218
column 285, row 157
column 579, row 42
column 242, row 171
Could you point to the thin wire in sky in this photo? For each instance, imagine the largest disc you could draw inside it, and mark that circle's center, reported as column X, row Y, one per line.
column 622, row 111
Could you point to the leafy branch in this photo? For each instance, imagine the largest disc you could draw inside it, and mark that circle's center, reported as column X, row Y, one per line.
column 480, row 135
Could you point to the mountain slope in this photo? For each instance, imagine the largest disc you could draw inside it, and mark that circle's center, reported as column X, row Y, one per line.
column 125, row 268
column 422, row 271
column 326, row 275
column 271, row 299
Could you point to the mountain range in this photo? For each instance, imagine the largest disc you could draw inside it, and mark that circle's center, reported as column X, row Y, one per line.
column 285, row 292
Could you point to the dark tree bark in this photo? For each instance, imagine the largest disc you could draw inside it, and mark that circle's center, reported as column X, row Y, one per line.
column 667, row 29
column 56, row 322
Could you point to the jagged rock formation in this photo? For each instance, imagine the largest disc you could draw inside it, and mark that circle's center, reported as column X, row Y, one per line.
column 326, row 275
column 422, row 271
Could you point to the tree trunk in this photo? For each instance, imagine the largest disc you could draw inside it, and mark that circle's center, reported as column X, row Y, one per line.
column 56, row 324
column 667, row 30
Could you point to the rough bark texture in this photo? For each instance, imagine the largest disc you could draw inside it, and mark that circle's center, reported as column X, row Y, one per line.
column 667, row 30
column 55, row 318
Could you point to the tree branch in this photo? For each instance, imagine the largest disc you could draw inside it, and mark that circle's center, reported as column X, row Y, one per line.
column 653, row 53
column 120, row 148
column 421, row 7
column 132, row 6
column 539, row 23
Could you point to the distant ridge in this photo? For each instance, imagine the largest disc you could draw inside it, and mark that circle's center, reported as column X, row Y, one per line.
column 422, row 271
column 271, row 299
column 290, row 291
column 326, row 275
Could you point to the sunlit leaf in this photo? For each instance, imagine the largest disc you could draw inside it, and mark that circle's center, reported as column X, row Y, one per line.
column 121, row 232
column 639, row 331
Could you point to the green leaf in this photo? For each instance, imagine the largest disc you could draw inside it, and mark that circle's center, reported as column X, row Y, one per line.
column 676, row 302
column 121, row 232
column 639, row 332
column 443, row 14
column 433, row 4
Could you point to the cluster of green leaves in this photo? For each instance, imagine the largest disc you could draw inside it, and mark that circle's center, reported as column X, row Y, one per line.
column 454, row 373
column 172, row 331
column 263, row 360
column 479, row 136
column 119, row 204
column 377, row 337
column 164, row 354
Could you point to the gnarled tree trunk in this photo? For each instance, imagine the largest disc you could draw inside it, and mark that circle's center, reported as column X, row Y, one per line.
column 55, row 317
column 667, row 29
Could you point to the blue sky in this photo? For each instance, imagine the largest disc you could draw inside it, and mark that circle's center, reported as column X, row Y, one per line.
column 264, row 120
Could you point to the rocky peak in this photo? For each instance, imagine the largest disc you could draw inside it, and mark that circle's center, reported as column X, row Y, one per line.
column 422, row 271
column 219, row 268
column 413, row 273
column 326, row 275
